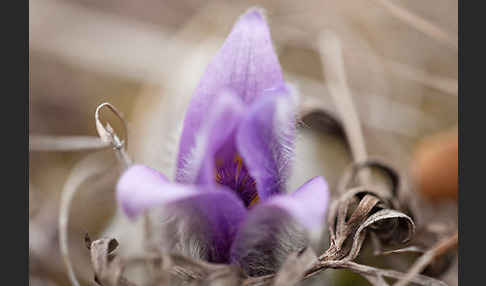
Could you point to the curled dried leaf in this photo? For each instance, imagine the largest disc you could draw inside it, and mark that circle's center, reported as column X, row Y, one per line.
column 108, row 267
column 366, row 209
column 397, row 227
column 346, row 216
column 345, row 228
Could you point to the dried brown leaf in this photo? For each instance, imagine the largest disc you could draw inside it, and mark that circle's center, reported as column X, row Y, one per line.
column 108, row 267
column 400, row 225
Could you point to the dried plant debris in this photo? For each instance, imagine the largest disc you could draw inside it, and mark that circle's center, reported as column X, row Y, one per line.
column 363, row 209
column 84, row 170
column 358, row 212
column 164, row 269
column 170, row 269
column 87, row 168
column 363, row 213
column 440, row 248
column 109, row 136
column 107, row 266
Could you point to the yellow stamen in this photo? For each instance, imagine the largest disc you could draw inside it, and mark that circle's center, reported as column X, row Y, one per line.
column 239, row 162
column 218, row 176
column 255, row 200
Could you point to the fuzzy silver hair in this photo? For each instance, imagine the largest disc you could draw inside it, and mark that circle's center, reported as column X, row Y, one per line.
column 175, row 233
column 261, row 249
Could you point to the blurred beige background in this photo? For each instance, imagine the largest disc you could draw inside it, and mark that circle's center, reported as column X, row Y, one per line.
column 146, row 57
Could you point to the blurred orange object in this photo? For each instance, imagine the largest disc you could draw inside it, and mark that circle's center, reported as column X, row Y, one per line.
column 435, row 165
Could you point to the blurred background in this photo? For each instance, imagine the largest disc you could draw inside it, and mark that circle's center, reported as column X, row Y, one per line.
column 146, row 57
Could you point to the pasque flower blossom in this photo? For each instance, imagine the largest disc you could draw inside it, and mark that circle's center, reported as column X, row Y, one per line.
column 228, row 203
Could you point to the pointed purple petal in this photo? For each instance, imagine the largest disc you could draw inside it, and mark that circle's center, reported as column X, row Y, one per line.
column 308, row 204
column 141, row 187
column 199, row 222
column 278, row 227
column 265, row 140
column 246, row 64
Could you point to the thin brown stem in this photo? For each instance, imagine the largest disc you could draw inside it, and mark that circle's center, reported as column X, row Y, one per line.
column 364, row 270
column 437, row 250
column 333, row 65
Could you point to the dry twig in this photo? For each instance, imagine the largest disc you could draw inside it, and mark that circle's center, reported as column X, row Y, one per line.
column 439, row 249
column 108, row 135
column 65, row 143
column 333, row 65
column 84, row 170
column 443, row 84
column 419, row 23
column 361, row 209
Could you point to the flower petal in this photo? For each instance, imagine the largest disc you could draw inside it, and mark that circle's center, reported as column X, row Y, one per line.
column 308, row 204
column 278, row 227
column 196, row 222
column 141, row 187
column 218, row 130
column 266, row 137
column 202, row 226
column 245, row 64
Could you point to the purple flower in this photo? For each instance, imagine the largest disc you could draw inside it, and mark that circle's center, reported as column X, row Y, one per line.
column 228, row 203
